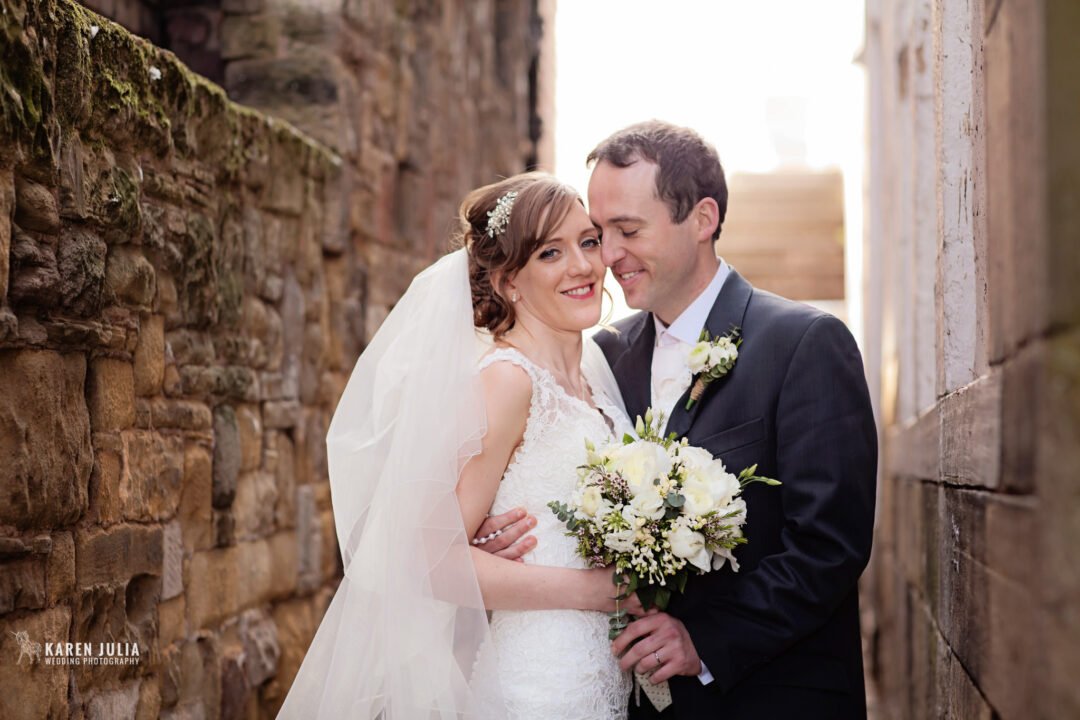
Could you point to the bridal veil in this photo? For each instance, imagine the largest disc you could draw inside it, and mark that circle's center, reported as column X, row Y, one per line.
column 406, row 630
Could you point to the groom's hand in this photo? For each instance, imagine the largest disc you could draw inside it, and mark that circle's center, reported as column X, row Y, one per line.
column 658, row 635
column 507, row 530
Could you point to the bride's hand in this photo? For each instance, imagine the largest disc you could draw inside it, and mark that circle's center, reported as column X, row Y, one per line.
column 501, row 535
column 607, row 591
column 632, row 605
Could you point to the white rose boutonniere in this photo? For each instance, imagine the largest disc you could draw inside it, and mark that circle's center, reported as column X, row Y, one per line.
column 711, row 359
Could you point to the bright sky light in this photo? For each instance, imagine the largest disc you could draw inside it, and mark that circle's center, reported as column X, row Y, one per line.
column 714, row 65
column 709, row 64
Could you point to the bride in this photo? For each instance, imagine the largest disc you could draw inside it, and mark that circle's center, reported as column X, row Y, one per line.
column 475, row 397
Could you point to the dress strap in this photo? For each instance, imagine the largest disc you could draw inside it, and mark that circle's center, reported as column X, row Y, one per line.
column 515, row 356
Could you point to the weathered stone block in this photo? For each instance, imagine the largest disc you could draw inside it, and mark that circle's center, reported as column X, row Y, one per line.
column 110, row 704
column 190, row 347
column 224, row 528
column 235, row 688
column 1022, row 423
column 172, row 568
column 149, row 699
column 35, row 207
column 227, row 455
column 200, row 670
column 153, row 473
column 309, row 538
column 249, row 424
column 253, row 509
column 150, row 356
column 22, row 583
column 35, row 277
column 232, row 382
column 984, row 601
column 159, row 413
column 224, row 581
column 196, row 500
column 285, row 474
column 106, row 506
column 971, row 433
column 80, row 260
column 113, row 556
column 111, row 394
column 42, row 689
column 285, row 551
column 261, row 649
column 44, row 439
column 129, row 277
column 7, row 206
column 172, row 619
column 281, row 414
column 60, row 580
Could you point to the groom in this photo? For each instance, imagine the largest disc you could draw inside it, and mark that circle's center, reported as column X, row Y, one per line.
column 780, row 638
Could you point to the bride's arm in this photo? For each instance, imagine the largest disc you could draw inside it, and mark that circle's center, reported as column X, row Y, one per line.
column 505, row 584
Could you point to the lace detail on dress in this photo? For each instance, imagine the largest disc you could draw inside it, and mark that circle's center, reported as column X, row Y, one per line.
column 553, row 663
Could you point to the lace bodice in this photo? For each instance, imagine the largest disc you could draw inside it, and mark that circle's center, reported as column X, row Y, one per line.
column 555, row 663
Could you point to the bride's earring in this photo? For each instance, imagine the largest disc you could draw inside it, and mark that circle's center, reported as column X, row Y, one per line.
column 513, row 297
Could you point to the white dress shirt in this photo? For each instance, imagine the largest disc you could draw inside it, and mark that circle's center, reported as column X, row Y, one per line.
column 670, row 373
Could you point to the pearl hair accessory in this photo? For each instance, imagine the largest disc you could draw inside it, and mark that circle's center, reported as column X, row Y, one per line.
column 499, row 218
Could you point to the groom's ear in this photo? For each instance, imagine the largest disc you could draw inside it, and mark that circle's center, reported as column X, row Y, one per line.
column 706, row 218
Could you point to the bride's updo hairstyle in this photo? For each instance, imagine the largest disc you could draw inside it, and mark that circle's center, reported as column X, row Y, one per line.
column 499, row 246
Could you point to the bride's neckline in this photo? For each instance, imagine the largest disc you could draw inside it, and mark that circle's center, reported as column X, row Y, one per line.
column 593, row 405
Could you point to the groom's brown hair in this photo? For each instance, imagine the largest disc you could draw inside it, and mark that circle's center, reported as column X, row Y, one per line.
column 688, row 167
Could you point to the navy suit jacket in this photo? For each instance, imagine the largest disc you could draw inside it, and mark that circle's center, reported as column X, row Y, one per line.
column 781, row 636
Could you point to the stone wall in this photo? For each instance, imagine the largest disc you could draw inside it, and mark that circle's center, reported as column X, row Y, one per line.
column 973, row 346
column 185, row 284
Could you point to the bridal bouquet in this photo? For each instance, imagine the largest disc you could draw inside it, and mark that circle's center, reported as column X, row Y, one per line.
column 655, row 510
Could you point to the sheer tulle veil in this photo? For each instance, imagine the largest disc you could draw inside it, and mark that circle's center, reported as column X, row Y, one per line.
column 405, row 633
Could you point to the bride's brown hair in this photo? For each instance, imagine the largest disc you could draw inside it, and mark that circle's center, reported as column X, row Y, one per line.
column 541, row 205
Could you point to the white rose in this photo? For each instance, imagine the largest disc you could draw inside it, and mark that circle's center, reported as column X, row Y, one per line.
column 640, row 463
column 648, row 505
column 689, row 545
column 695, row 457
column 593, row 501
column 698, row 357
column 699, row 498
column 621, row 541
column 723, row 486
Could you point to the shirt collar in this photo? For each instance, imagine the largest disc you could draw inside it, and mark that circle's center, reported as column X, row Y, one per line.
column 687, row 327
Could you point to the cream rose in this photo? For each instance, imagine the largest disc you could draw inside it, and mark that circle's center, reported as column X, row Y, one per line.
column 648, row 505
column 699, row 498
column 698, row 357
column 593, row 501
column 640, row 463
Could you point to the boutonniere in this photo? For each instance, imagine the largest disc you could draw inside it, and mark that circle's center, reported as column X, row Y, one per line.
column 711, row 359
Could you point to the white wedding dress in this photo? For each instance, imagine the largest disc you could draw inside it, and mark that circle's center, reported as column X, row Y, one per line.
column 553, row 663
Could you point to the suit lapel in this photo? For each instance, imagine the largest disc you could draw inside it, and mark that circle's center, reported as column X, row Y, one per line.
column 727, row 313
column 633, row 369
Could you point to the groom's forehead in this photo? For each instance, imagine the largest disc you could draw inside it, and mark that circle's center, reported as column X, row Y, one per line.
column 617, row 192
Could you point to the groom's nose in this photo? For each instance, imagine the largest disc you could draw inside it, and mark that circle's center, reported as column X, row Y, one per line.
column 611, row 249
